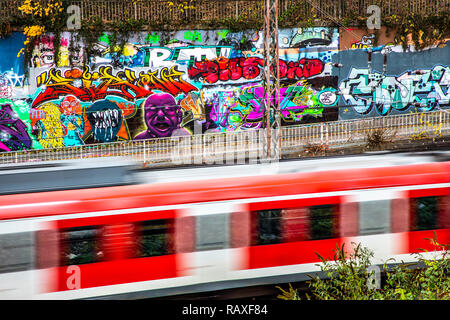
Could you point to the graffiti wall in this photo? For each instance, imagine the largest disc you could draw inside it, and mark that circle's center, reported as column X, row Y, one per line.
column 11, row 67
column 162, row 84
column 379, row 78
column 356, row 38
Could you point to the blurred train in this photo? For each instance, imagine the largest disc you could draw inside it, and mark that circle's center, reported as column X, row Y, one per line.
column 166, row 232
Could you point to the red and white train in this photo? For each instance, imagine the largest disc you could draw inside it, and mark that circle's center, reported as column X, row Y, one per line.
column 232, row 227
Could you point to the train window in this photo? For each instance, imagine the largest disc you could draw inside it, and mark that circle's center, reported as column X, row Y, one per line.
column 212, row 232
column 322, row 222
column 81, row 245
column 374, row 217
column 426, row 209
column 16, row 252
column 268, row 227
column 154, row 238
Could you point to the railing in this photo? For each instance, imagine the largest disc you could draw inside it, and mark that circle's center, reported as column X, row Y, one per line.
column 205, row 11
column 412, row 126
column 236, row 147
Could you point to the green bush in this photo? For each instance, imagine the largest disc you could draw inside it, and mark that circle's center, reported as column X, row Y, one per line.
column 347, row 277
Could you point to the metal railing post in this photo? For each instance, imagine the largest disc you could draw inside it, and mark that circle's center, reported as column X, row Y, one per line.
column 145, row 151
column 321, row 133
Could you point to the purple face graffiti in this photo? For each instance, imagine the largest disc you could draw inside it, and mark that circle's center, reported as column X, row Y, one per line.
column 162, row 116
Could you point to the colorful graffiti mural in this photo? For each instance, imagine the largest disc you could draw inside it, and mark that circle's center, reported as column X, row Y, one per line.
column 243, row 108
column 424, row 89
column 162, row 84
column 224, row 69
column 12, row 67
column 357, row 38
column 378, row 78
column 159, row 88
column 14, row 133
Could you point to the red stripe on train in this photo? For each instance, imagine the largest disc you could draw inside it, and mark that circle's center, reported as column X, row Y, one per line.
column 125, row 197
column 418, row 240
column 114, row 272
column 277, row 255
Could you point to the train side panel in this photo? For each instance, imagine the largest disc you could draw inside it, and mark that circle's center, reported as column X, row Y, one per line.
column 176, row 238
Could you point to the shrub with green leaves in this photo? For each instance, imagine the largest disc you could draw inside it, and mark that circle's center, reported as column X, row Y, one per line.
column 348, row 278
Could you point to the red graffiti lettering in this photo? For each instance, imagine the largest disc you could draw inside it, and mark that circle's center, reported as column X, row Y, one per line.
column 235, row 69
column 311, row 67
column 250, row 69
column 223, row 69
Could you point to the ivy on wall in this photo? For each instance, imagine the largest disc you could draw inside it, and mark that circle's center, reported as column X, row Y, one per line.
column 423, row 30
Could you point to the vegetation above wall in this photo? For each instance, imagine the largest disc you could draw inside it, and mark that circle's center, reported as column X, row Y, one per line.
column 50, row 16
column 424, row 30
column 40, row 18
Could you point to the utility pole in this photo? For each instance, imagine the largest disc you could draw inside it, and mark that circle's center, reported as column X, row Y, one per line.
column 271, row 80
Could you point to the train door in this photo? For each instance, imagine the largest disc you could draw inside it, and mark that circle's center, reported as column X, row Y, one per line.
column 17, row 259
column 213, row 257
column 376, row 217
